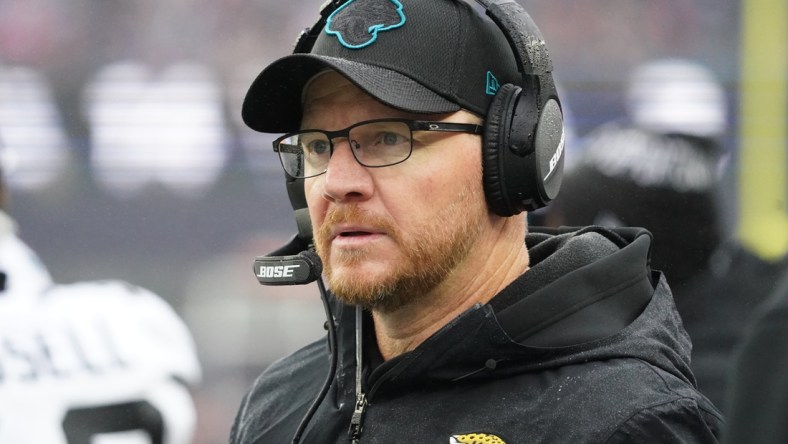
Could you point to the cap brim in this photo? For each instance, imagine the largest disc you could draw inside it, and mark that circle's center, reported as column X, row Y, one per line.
column 273, row 102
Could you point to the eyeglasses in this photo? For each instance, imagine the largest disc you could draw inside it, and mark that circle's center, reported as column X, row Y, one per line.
column 374, row 144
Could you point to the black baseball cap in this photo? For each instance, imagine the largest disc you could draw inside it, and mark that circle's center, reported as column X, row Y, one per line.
column 420, row 56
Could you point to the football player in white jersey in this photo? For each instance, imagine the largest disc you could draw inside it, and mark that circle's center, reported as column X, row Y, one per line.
column 91, row 363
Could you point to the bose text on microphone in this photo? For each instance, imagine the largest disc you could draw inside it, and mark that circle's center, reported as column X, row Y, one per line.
column 299, row 269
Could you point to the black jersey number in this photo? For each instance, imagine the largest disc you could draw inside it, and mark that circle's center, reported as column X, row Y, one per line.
column 80, row 425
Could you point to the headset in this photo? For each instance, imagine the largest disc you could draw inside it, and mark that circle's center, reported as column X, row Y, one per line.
column 523, row 139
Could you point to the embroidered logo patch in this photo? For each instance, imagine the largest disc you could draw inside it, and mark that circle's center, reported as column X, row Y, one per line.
column 475, row 438
column 492, row 84
column 357, row 23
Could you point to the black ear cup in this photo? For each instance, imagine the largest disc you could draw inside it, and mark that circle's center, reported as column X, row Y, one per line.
column 496, row 135
column 522, row 152
column 549, row 144
column 523, row 148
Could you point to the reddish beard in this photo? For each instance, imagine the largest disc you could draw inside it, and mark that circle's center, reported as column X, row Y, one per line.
column 428, row 258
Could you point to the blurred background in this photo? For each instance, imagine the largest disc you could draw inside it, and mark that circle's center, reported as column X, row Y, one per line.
column 126, row 159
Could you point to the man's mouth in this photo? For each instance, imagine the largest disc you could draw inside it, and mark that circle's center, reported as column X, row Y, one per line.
column 353, row 233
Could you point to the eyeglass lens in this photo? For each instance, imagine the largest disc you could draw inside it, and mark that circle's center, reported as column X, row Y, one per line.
column 374, row 144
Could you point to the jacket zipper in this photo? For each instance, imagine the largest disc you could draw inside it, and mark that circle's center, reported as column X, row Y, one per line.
column 357, row 420
column 362, row 399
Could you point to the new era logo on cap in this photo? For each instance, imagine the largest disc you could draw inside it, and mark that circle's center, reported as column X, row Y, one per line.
column 357, row 23
column 493, row 85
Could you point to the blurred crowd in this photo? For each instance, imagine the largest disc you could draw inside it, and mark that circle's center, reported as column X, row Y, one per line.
column 125, row 157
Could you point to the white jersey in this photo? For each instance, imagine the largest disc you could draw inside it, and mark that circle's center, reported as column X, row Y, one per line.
column 92, row 363
column 26, row 277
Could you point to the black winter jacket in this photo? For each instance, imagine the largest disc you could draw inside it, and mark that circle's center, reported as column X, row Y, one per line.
column 585, row 347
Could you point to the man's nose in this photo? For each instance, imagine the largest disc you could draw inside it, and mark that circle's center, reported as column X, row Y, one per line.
column 345, row 178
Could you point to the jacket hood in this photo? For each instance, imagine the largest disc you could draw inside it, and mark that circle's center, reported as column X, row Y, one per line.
column 589, row 295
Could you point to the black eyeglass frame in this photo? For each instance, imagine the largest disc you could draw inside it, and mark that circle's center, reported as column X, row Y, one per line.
column 413, row 125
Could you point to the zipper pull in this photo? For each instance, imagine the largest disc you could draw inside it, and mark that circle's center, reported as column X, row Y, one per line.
column 357, row 420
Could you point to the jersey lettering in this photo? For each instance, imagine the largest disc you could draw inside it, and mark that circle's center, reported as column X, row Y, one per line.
column 83, row 424
column 57, row 352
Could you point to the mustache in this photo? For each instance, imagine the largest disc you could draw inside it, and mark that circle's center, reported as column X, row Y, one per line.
column 353, row 214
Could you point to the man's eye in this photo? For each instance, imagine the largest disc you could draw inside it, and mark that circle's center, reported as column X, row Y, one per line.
column 318, row 146
column 390, row 139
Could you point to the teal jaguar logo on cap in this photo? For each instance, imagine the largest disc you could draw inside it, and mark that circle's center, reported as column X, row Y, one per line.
column 357, row 23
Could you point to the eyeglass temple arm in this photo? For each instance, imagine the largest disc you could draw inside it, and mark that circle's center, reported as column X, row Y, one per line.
column 447, row 127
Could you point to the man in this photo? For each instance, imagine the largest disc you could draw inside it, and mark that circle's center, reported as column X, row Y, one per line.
column 659, row 168
column 450, row 328
column 88, row 362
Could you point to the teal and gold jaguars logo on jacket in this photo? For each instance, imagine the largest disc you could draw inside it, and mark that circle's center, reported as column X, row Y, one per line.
column 475, row 438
